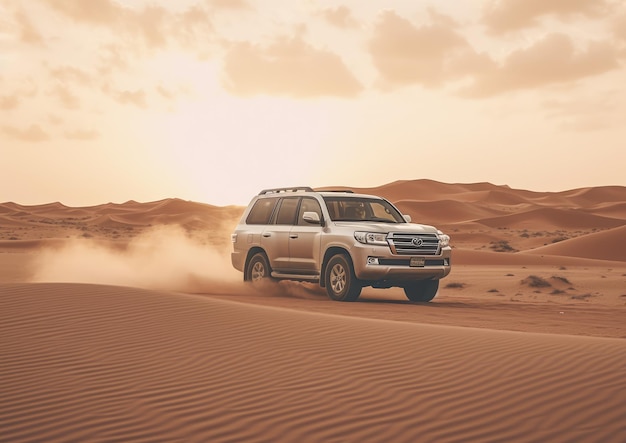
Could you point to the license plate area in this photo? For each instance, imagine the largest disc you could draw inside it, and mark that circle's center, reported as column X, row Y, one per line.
column 417, row 262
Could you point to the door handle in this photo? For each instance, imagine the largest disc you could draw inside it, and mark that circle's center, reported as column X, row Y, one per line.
column 267, row 234
column 293, row 235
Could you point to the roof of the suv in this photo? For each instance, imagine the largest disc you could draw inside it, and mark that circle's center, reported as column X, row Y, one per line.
column 305, row 190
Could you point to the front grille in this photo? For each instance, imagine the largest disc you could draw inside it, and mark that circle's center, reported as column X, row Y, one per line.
column 414, row 244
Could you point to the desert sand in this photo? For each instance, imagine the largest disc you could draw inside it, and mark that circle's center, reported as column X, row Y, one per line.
column 126, row 322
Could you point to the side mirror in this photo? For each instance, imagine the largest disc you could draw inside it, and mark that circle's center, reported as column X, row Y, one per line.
column 312, row 218
column 407, row 218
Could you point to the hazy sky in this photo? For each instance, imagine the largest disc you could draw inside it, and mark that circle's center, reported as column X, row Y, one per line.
column 213, row 100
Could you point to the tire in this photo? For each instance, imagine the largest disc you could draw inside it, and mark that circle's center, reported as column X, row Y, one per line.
column 258, row 268
column 341, row 283
column 422, row 291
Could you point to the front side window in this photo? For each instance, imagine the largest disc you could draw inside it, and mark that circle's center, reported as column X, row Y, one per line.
column 362, row 209
column 308, row 204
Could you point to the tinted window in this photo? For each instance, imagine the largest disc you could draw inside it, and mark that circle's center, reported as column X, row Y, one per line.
column 308, row 205
column 362, row 209
column 287, row 211
column 261, row 211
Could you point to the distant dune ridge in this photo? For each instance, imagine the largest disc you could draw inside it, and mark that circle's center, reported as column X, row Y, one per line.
column 126, row 322
column 526, row 219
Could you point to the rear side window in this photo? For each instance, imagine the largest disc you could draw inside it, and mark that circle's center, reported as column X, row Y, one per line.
column 261, row 211
column 287, row 211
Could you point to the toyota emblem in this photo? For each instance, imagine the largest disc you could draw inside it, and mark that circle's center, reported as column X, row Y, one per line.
column 417, row 241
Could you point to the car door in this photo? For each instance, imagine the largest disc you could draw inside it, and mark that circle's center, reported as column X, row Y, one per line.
column 275, row 237
column 305, row 239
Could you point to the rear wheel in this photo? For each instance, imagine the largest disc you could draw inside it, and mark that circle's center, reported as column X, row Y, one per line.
column 341, row 283
column 422, row 291
column 258, row 268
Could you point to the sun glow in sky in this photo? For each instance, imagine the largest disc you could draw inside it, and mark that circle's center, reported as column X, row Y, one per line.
column 213, row 100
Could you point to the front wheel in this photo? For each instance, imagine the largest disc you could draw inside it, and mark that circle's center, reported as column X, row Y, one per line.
column 258, row 268
column 422, row 291
column 341, row 283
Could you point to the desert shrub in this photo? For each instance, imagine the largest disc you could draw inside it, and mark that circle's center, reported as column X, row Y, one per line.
column 455, row 285
column 559, row 239
column 557, row 292
column 502, row 246
column 535, row 281
column 582, row 296
column 493, row 290
column 561, row 279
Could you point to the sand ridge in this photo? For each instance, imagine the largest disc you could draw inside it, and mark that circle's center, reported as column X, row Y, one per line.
column 93, row 362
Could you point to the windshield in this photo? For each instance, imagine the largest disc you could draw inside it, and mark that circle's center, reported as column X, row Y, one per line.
column 362, row 209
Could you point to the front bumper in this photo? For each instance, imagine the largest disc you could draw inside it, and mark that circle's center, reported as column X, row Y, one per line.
column 397, row 268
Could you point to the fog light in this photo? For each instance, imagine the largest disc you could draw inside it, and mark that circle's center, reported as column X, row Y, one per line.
column 372, row 260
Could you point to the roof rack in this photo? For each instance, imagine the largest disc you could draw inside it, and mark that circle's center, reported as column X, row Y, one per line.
column 347, row 191
column 294, row 189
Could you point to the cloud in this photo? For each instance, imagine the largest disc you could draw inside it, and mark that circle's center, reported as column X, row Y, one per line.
column 99, row 12
column 32, row 134
column 28, row 33
column 553, row 59
column 619, row 27
column 68, row 99
column 501, row 16
column 229, row 4
column 136, row 97
column 70, row 74
column 9, row 102
column 288, row 67
column 82, row 134
column 584, row 113
column 405, row 54
column 340, row 17
column 154, row 25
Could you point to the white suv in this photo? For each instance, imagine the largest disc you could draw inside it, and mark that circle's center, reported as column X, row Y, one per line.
column 343, row 241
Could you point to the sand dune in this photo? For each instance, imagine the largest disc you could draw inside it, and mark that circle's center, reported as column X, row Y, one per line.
column 88, row 362
column 126, row 322
column 552, row 218
column 605, row 245
column 444, row 211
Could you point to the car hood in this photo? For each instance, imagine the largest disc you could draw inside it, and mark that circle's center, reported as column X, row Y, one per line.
column 389, row 227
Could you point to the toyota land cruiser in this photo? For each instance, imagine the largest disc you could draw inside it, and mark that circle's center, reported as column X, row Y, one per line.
column 341, row 240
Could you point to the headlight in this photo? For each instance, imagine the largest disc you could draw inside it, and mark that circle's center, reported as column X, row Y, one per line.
column 371, row 238
column 444, row 240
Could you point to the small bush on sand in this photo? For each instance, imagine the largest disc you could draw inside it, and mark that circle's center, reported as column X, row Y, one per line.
column 536, row 282
column 455, row 285
column 582, row 296
column 502, row 246
column 559, row 239
column 561, row 279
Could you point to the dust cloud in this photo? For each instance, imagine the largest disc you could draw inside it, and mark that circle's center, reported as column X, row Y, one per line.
column 162, row 258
